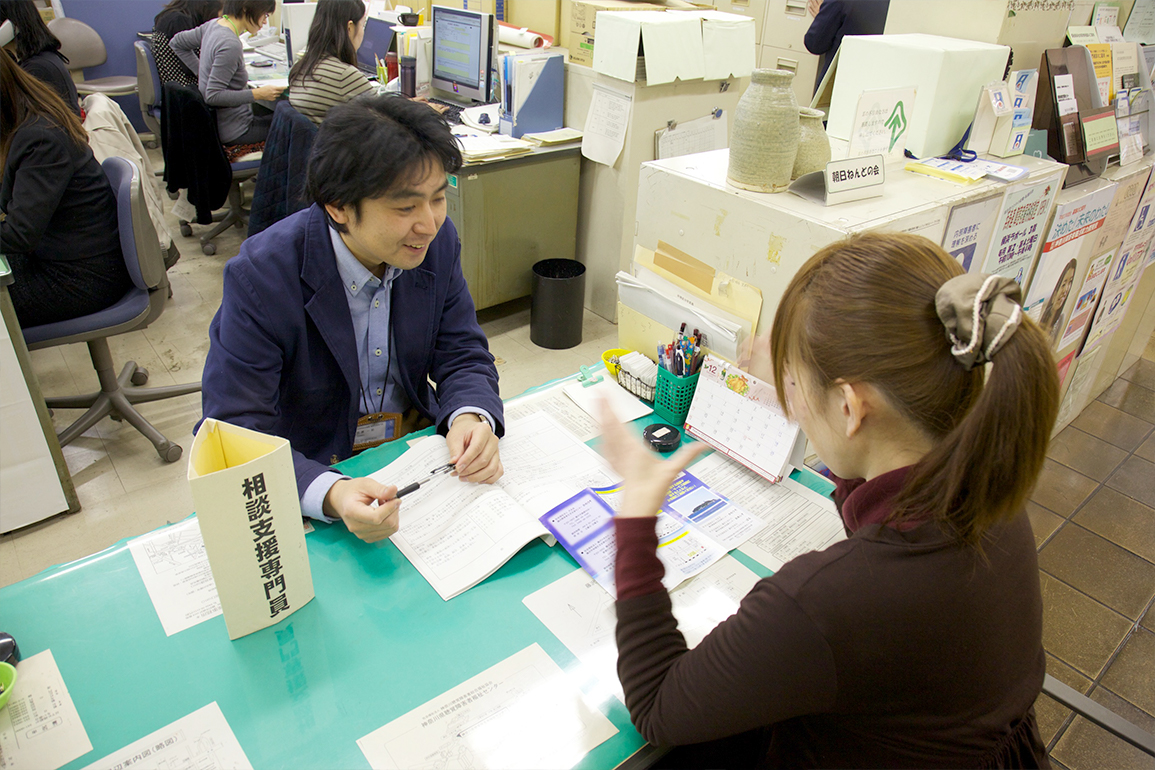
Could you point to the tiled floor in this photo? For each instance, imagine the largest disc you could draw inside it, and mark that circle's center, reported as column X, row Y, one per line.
column 1093, row 510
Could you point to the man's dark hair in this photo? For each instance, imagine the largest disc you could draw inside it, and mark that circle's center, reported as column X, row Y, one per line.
column 373, row 144
column 252, row 10
column 32, row 34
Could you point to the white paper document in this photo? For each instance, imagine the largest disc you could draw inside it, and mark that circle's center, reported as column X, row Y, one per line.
column 554, row 402
column 692, row 136
column 521, row 713
column 580, row 613
column 798, row 519
column 39, row 728
column 606, row 123
column 175, row 570
column 624, row 404
column 457, row 534
column 202, row 740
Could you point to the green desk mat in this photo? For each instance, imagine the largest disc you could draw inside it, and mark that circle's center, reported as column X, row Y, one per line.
column 376, row 642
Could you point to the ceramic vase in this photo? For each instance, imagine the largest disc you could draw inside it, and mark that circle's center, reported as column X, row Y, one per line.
column 764, row 138
column 814, row 145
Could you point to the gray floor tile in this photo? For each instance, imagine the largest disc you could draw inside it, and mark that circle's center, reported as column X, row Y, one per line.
column 1112, row 425
column 1060, row 489
column 1132, row 398
column 1141, row 373
column 1078, row 630
column 1122, row 520
column 1132, row 673
column 1043, row 522
column 1090, row 456
column 1050, row 713
column 1099, row 568
column 1147, row 449
column 1135, row 478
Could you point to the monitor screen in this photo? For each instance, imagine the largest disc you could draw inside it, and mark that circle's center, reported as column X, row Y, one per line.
column 378, row 42
column 463, row 43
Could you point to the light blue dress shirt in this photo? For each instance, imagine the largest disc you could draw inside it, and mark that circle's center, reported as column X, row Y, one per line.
column 370, row 304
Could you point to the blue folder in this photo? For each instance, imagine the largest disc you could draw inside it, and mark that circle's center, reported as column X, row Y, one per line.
column 543, row 108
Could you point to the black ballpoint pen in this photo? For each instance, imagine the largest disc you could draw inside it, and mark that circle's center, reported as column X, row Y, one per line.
column 417, row 484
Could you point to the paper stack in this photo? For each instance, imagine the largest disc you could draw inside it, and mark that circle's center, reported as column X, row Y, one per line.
column 475, row 148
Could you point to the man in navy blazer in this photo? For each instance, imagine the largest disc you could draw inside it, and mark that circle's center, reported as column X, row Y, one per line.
column 350, row 307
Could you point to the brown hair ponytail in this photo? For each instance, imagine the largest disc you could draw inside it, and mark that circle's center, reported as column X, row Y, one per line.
column 863, row 310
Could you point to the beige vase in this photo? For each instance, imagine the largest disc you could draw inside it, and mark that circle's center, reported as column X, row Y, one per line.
column 814, row 144
column 764, row 138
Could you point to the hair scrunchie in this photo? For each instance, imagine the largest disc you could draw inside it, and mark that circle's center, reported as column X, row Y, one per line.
column 980, row 313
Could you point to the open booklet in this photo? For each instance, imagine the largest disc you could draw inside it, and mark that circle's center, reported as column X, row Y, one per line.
column 457, row 534
column 696, row 527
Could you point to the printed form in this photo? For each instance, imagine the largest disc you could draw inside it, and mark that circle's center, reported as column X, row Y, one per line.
column 457, row 534
column 40, row 728
column 521, row 713
column 798, row 519
column 580, row 613
column 202, row 740
column 175, row 569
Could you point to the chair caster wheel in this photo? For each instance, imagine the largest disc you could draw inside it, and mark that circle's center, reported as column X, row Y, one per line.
column 171, row 453
column 209, row 249
column 239, row 225
column 115, row 417
column 185, row 230
column 139, row 377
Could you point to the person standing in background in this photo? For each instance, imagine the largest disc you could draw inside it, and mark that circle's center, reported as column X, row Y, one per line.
column 834, row 19
column 174, row 18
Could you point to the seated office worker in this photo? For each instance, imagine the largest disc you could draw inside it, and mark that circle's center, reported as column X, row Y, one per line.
column 176, row 17
column 327, row 75
column 38, row 50
column 222, row 77
column 916, row 642
column 58, row 229
column 348, row 308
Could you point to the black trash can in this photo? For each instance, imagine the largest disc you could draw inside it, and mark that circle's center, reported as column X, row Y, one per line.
column 555, row 316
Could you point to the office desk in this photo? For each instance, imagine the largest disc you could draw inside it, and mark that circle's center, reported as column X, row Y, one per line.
column 511, row 213
column 376, row 642
column 34, row 479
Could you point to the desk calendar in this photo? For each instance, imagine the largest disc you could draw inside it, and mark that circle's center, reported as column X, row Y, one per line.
column 738, row 415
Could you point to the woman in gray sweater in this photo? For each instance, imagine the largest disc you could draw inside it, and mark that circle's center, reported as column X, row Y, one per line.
column 221, row 74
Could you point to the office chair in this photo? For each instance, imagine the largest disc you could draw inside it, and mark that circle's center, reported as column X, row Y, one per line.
column 82, row 45
column 194, row 159
column 149, row 89
column 143, row 303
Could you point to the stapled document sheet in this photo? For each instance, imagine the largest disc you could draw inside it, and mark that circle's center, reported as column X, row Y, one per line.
column 40, row 728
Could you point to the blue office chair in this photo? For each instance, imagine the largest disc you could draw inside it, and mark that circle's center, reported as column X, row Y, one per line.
column 143, row 303
column 149, row 90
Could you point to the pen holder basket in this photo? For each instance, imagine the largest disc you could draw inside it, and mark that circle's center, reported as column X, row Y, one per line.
column 635, row 386
column 673, row 395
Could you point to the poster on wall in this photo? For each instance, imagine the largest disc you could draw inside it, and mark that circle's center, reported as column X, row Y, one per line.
column 1049, row 298
column 1124, row 277
column 1019, row 227
column 1128, row 192
column 1086, row 299
column 969, row 228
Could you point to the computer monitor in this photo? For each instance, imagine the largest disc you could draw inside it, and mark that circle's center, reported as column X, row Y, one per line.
column 463, row 49
column 378, row 41
column 296, row 18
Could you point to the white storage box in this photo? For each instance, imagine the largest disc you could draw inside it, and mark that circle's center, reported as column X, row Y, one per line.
column 675, row 45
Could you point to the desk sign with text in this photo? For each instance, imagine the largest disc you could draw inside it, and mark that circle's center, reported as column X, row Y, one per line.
column 842, row 181
column 245, row 494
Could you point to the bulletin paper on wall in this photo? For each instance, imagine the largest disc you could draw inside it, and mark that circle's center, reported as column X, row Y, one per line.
column 1124, row 276
column 1086, row 300
column 40, row 728
column 969, row 229
column 796, row 519
column 202, row 740
column 523, row 712
column 607, row 121
column 580, row 613
column 175, row 570
column 1019, row 228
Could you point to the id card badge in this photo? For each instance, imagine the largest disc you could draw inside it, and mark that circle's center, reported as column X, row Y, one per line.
column 375, row 429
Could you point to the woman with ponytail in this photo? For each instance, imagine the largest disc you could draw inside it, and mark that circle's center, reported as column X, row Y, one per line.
column 917, row 641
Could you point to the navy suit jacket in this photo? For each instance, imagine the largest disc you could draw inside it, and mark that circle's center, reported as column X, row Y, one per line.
column 282, row 358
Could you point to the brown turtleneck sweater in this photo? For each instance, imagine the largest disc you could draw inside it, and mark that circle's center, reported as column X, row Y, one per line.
column 896, row 647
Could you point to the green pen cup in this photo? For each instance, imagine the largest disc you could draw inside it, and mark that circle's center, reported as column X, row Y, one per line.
column 7, row 681
column 673, row 395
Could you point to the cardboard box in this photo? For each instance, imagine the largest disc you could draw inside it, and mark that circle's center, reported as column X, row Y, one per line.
column 578, row 22
column 947, row 73
column 675, row 45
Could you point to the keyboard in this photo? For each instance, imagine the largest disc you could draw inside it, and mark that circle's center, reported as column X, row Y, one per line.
column 451, row 113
